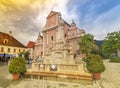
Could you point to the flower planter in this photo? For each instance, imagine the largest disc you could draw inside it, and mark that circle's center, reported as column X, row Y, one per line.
column 17, row 67
column 96, row 76
column 16, row 76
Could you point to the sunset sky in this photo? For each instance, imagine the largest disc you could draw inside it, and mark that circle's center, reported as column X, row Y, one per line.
column 25, row 18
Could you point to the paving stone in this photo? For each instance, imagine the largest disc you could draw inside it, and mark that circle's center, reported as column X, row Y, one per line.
column 110, row 79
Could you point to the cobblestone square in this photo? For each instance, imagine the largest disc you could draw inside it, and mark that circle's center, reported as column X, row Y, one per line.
column 109, row 79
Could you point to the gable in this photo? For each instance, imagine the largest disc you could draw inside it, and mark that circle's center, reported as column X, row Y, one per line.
column 51, row 14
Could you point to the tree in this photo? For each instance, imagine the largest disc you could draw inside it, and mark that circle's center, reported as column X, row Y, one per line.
column 95, row 65
column 111, row 44
column 86, row 43
column 25, row 54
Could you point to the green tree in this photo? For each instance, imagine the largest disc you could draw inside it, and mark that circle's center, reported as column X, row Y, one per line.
column 111, row 44
column 25, row 54
column 87, row 43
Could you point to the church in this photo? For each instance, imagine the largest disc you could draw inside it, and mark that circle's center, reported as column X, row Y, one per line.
column 55, row 51
column 45, row 41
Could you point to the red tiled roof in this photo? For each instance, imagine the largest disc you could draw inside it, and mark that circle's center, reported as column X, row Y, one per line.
column 8, row 40
column 31, row 44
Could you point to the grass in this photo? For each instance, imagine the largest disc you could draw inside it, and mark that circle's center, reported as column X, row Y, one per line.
column 117, row 60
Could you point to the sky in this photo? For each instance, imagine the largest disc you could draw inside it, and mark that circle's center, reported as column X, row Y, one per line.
column 26, row 18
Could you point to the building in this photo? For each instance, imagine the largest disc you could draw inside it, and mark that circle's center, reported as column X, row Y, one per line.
column 71, row 34
column 30, row 48
column 38, row 51
column 9, row 46
column 58, row 30
column 48, row 37
column 60, row 43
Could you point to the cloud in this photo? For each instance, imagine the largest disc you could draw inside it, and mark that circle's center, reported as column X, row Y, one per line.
column 25, row 18
column 106, row 22
column 97, row 16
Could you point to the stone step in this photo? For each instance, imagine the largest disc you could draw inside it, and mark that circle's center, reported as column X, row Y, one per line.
column 59, row 75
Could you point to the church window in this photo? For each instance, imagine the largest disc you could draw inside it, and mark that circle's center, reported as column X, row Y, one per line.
column 52, row 38
column 41, row 53
column 73, row 34
column 65, row 35
column 68, row 51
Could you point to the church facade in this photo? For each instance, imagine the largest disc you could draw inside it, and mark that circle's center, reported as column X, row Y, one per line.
column 71, row 33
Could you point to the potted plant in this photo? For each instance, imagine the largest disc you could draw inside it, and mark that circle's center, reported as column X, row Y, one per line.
column 17, row 66
column 95, row 65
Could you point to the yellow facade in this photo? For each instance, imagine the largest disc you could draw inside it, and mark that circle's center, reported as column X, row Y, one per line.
column 10, row 45
column 11, row 50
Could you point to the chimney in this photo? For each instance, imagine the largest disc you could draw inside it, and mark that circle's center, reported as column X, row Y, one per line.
column 10, row 33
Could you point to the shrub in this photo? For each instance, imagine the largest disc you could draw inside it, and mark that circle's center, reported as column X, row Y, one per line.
column 94, row 63
column 17, row 65
column 117, row 60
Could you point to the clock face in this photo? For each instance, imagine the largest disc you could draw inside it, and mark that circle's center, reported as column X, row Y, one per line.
column 5, row 41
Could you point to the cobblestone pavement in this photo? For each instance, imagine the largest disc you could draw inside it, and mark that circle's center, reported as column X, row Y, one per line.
column 26, row 83
column 111, row 76
column 5, row 76
column 110, row 79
